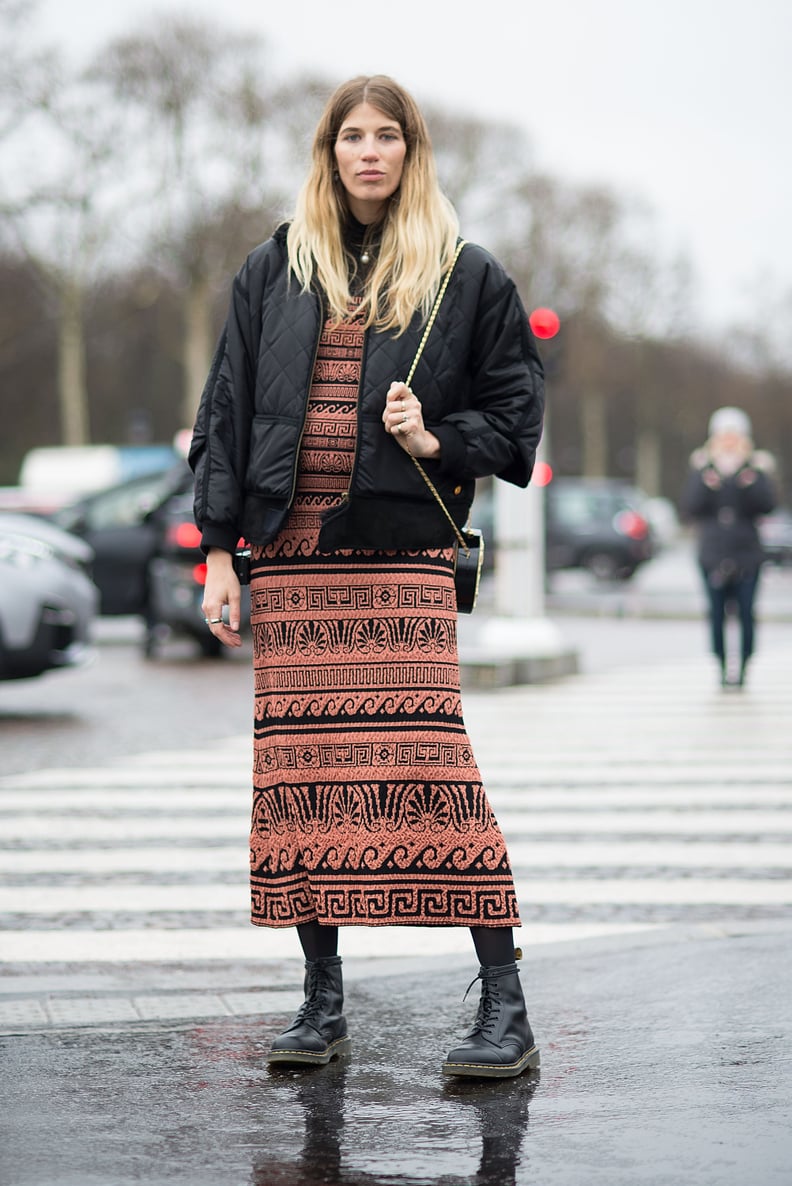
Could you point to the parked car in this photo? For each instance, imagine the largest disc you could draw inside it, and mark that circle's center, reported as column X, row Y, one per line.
column 147, row 556
column 120, row 523
column 47, row 598
column 775, row 532
column 177, row 575
column 599, row 524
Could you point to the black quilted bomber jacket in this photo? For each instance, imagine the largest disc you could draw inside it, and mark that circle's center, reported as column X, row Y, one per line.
column 479, row 382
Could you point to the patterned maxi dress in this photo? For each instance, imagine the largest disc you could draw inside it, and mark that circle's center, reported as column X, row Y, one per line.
column 368, row 807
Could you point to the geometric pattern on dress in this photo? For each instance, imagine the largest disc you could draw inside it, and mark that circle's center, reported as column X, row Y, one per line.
column 368, row 807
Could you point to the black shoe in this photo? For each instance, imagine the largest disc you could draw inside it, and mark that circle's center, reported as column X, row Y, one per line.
column 319, row 1030
column 501, row 1043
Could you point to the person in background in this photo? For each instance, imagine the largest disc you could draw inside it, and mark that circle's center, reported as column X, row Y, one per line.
column 368, row 806
column 730, row 484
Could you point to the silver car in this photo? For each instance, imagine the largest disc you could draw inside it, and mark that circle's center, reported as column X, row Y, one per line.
column 47, row 598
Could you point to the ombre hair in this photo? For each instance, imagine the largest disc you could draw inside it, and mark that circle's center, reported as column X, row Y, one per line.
column 418, row 231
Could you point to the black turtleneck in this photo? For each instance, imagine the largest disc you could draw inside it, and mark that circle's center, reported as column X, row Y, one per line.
column 359, row 238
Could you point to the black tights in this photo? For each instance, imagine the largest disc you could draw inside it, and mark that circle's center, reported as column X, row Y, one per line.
column 494, row 945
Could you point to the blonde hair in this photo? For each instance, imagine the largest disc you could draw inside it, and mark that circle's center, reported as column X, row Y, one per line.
column 418, row 231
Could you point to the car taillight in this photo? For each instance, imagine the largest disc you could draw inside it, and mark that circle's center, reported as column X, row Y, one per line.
column 631, row 524
column 199, row 574
column 184, row 535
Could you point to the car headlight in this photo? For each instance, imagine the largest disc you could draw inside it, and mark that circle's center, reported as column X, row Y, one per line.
column 23, row 551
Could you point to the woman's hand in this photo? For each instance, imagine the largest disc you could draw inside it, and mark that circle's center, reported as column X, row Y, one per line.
column 403, row 419
column 221, row 589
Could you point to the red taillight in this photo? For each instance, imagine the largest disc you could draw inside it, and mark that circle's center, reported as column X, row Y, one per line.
column 631, row 524
column 184, row 535
column 199, row 574
column 543, row 474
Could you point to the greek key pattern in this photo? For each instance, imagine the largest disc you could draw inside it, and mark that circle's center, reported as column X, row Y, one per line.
column 424, row 902
column 280, row 596
column 376, row 756
column 368, row 806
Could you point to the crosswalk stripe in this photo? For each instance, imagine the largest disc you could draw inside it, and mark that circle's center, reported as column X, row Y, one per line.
column 217, row 944
column 536, row 853
column 120, row 827
column 626, row 803
column 530, row 798
column 198, row 899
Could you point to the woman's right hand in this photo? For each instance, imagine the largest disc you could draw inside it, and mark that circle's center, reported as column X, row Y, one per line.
column 222, row 589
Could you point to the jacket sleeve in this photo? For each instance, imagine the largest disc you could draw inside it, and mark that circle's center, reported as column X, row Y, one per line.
column 219, row 450
column 698, row 500
column 759, row 497
column 499, row 431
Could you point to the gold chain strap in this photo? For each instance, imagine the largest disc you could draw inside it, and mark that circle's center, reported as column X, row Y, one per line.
column 432, row 317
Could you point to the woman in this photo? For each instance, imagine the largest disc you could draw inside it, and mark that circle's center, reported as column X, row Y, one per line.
column 729, row 485
column 368, row 806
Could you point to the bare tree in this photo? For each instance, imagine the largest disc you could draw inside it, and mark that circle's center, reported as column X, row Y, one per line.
column 195, row 106
column 57, row 150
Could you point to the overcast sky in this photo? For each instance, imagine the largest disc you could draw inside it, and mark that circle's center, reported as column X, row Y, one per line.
column 685, row 104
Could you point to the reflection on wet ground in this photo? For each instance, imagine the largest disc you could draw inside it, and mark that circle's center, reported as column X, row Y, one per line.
column 664, row 1061
column 336, row 1150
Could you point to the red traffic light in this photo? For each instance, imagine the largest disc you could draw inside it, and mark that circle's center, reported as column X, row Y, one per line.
column 545, row 323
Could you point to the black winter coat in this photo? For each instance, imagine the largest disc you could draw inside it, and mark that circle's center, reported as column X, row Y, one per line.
column 728, row 540
column 479, row 382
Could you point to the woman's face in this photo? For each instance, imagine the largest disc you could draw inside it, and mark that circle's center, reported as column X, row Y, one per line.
column 369, row 152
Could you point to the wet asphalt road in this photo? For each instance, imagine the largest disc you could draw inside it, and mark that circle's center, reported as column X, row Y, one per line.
column 124, row 704
column 665, row 1053
column 665, row 1062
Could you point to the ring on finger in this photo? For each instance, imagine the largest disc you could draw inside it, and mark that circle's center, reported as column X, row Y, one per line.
column 214, row 621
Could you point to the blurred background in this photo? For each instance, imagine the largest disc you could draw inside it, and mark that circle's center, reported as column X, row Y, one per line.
column 628, row 166
column 144, row 150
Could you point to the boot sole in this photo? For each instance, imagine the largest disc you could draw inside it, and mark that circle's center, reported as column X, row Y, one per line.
column 482, row 1070
column 311, row 1057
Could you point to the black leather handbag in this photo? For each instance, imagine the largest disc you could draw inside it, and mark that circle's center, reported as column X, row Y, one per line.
column 469, row 546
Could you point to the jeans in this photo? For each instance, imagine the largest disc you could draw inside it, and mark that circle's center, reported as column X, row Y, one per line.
column 739, row 590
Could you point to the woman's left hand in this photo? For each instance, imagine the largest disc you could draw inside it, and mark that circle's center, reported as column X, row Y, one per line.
column 403, row 419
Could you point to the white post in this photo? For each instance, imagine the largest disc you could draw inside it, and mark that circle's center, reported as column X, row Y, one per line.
column 519, row 566
column 516, row 643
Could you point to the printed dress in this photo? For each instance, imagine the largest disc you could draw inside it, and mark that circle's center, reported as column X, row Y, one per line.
column 368, row 807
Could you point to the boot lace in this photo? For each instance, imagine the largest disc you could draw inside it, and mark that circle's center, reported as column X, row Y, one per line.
column 313, row 1004
column 488, row 1008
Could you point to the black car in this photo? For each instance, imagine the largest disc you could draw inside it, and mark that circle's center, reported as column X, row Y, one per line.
column 775, row 532
column 597, row 524
column 177, row 574
column 147, row 556
column 121, row 525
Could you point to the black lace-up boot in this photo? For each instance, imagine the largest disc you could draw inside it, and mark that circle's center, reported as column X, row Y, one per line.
column 319, row 1030
column 501, row 1043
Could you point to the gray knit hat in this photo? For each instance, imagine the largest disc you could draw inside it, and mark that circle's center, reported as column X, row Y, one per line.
column 730, row 420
